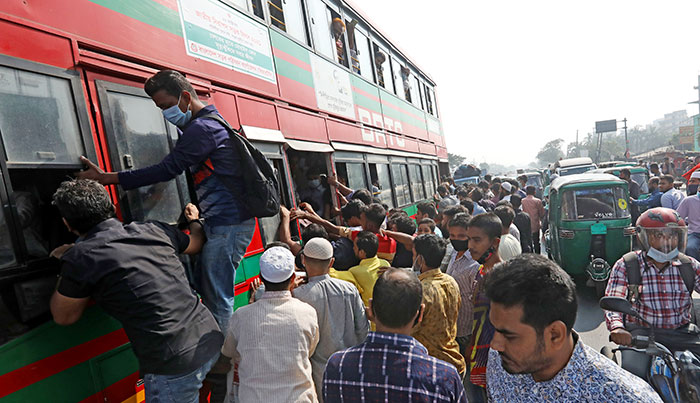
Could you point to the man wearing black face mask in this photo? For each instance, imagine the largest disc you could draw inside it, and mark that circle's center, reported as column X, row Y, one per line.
column 463, row 269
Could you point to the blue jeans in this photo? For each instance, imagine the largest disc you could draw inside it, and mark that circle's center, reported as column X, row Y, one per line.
column 221, row 254
column 693, row 248
column 177, row 388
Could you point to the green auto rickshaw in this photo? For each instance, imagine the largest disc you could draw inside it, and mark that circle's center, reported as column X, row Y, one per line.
column 589, row 225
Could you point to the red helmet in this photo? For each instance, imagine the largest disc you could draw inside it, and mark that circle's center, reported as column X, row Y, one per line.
column 663, row 229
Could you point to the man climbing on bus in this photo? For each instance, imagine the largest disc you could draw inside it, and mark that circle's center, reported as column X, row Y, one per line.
column 134, row 273
column 204, row 149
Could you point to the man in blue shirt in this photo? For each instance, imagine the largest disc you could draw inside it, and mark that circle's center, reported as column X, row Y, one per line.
column 392, row 366
column 670, row 196
column 204, row 149
column 654, row 199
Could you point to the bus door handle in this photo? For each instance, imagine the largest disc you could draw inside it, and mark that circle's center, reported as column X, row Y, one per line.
column 128, row 161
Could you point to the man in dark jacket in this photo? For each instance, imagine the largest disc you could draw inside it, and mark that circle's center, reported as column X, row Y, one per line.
column 134, row 273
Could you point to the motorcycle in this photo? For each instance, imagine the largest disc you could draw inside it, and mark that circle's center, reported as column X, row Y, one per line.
column 675, row 377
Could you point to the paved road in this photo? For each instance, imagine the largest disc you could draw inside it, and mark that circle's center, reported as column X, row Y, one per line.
column 590, row 321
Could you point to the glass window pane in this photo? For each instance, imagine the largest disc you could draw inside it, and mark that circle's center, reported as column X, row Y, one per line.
column 593, row 204
column 403, row 195
column 384, row 184
column 364, row 58
column 428, row 179
column 356, row 176
column 432, row 101
column 416, row 183
column 414, row 88
column 398, row 82
column 7, row 254
column 381, row 63
column 620, row 195
column 428, row 100
column 319, row 15
column 142, row 137
column 38, row 121
column 288, row 16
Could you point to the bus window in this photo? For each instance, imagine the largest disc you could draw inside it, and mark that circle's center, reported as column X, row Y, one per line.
column 383, row 67
column 288, row 15
column 38, row 120
column 428, row 99
column 7, row 254
column 428, row 180
column 433, row 109
column 400, row 174
column 140, row 137
column 320, row 17
column 417, row 189
column 379, row 173
column 309, row 175
column 415, row 90
column 360, row 58
column 352, row 175
column 397, row 71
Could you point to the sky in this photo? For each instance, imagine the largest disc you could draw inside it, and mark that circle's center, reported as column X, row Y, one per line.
column 512, row 75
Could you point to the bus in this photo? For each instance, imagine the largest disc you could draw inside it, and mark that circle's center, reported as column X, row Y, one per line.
column 309, row 82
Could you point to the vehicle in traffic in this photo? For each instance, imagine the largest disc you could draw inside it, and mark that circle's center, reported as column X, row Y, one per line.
column 674, row 376
column 535, row 179
column 572, row 166
column 466, row 174
column 589, row 225
column 639, row 174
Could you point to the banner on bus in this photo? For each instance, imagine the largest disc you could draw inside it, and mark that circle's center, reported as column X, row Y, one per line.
column 221, row 35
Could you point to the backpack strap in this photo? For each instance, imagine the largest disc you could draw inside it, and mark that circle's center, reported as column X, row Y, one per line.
column 688, row 275
column 634, row 276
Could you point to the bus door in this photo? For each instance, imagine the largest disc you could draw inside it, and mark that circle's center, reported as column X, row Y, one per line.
column 138, row 136
column 44, row 129
column 310, row 164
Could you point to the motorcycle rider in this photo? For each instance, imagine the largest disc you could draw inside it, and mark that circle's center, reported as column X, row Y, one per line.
column 658, row 281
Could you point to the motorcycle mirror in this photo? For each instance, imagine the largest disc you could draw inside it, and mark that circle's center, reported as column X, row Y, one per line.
column 619, row 304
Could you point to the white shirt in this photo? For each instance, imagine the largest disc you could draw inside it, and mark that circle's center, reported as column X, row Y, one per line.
column 272, row 341
column 509, row 247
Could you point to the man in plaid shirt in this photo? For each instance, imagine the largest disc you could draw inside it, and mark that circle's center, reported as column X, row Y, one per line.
column 662, row 298
column 392, row 366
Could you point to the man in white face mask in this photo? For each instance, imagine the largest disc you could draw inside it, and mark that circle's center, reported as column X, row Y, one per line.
column 658, row 280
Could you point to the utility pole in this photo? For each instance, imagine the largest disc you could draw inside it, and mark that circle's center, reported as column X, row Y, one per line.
column 627, row 142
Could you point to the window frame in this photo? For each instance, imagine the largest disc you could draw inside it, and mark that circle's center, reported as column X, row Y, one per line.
column 305, row 18
column 74, row 79
column 103, row 87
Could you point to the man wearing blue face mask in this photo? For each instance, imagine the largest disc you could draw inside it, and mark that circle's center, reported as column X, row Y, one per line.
column 204, row 149
column 689, row 210
column 658, row 281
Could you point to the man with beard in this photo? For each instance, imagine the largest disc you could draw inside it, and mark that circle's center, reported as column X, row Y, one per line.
column 533, row 309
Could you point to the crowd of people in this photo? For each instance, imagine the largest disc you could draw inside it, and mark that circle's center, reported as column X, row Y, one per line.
column 447, row 305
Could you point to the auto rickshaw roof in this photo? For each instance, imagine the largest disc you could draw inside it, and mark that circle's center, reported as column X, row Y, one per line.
column 632, row 169
column 573, row 162
column 587, row 177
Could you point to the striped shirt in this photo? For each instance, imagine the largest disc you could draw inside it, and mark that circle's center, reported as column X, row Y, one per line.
column 272, row 341
column 464, row 270
column 663, row 300
column 390, row 367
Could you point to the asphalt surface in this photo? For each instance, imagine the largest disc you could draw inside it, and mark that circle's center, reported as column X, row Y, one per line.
column 590, row 320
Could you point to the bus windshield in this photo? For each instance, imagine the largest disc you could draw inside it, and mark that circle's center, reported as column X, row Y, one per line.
column 594, row 204
column 534, row 180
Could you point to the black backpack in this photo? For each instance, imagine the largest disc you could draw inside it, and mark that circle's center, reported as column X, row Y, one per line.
column 261, row 197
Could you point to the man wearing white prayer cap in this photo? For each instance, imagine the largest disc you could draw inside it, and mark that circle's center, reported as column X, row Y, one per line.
column 273, row 339
column 341, row 313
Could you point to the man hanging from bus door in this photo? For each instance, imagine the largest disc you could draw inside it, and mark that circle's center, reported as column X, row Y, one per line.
column 204, row 149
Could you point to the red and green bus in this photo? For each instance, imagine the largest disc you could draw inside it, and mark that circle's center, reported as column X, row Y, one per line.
column 306, row 80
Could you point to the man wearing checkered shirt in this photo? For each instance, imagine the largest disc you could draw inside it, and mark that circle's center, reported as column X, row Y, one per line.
column 392, row 366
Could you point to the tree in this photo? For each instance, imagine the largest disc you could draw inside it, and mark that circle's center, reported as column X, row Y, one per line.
column 484, row 168
column 454, row 160
column 551, row 152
